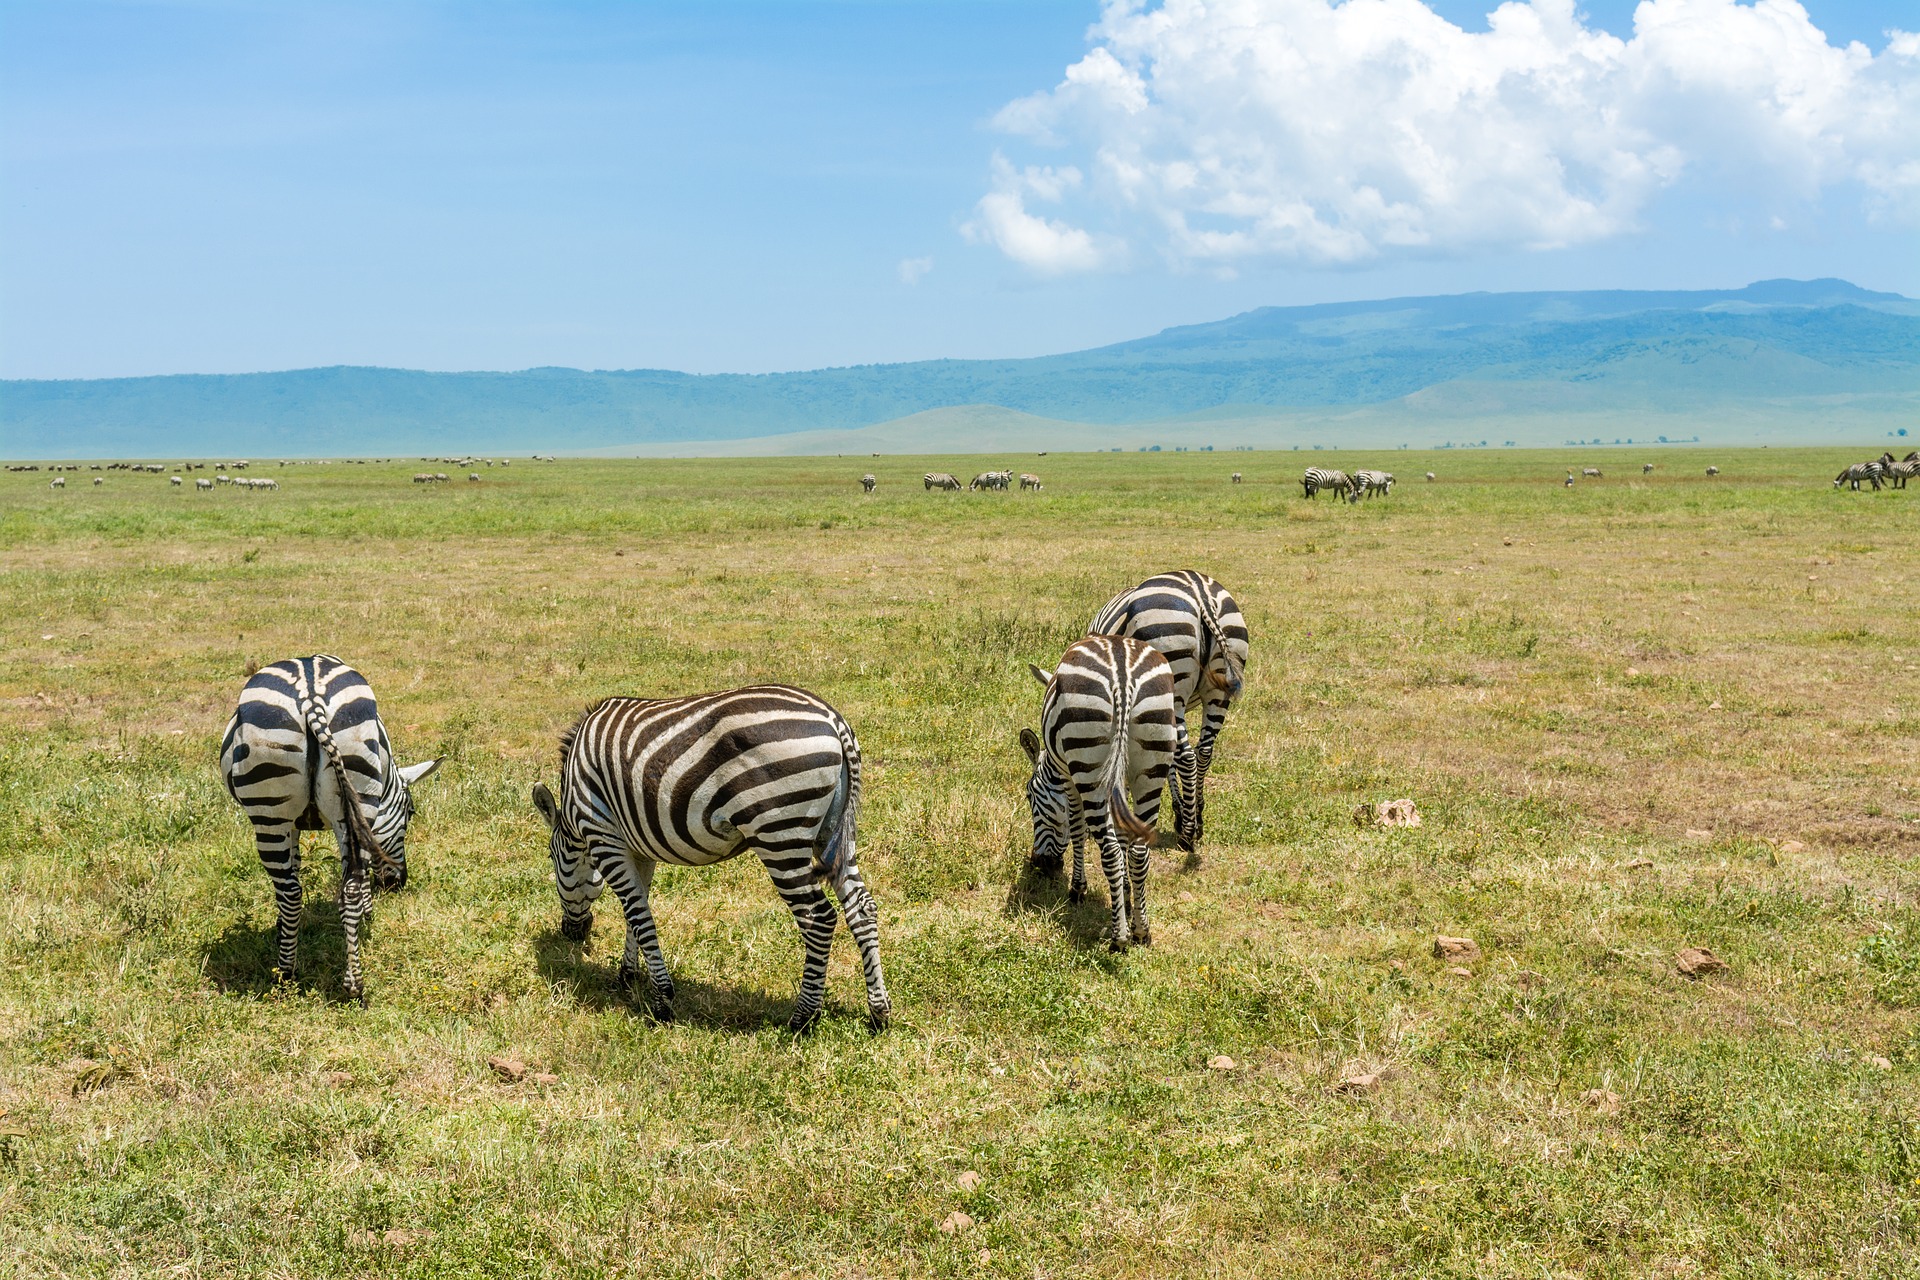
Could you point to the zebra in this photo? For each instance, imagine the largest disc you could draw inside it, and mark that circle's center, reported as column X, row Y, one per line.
column 1236, row 477
column 307, row 734
column 695, row 781
column 203, row 484
column 1868, row 471
column 867, row 483
column 990, row 480
column 1431, row 477
column 1028, row 480
column 473, row 477
column 1899, row 472
column 1590, row 473
column 1713, row 471
column 97, row 482
column 943, row 480
column 58, row 482
column 1100, row 762
column 1197, row 626
column 1369, row 483
column 1646, row 468
column 1317, row 478
column 174, row 481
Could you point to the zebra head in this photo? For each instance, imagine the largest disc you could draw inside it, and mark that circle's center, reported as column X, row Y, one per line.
column 1047, row 800
column 575, row 878
column 390, row 821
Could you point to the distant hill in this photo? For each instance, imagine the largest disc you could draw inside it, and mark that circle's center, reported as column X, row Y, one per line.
column 1777, row 358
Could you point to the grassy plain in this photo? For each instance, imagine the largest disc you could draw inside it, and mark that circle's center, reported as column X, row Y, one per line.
column 1637, row 715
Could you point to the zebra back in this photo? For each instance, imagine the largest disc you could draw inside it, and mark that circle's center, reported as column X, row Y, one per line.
column 1190, row 618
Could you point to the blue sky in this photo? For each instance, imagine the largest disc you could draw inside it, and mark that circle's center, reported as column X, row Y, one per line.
column 226, row 186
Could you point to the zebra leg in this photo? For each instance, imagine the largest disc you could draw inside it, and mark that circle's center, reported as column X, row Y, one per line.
column 1077, row 836
column 1186, row 789
column 356, row 896
column 278, row 843
column 631, row 879
column 817, row 919
column 863, row 920
column 1113, row 861
column 1137, row 860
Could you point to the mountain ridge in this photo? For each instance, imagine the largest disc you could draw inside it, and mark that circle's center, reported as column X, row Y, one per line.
column 1768, row 345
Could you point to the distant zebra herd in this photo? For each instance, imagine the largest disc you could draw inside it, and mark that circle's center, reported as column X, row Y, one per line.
column 1884, row 470
column 997, row 481
column 1361, row 484
column 769, row 768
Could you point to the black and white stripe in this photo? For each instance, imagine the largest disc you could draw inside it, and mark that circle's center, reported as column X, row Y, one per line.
column 1317, row 478
column 1197, row 626
column 1368, row 483
column 305, row 750
column 694, row 781
column 943, row 480
column 1868, row 471
column 1898, row 472
column 1100, row 761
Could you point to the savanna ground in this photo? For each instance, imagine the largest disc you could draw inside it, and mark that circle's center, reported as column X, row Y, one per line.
column 1637, row 716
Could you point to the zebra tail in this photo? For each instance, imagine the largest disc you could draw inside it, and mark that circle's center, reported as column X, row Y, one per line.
column 1119, row 811
column 843, row 812
column 362, row 846
column 1235, row 674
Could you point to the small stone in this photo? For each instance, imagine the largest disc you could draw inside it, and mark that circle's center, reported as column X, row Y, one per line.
column 1640, row 864
column 1632, row 672
column 1398, row 966
column 1220, row 1062
column 544, row 1077
column 956, row 1222
column 339, row 1079
column 1714, row 705
column 984, row 1257
column 46, row 637
column 1528, row 979
column 1879, row 1063
column 508, row 1069
column 1695, row 833
column 1694, row 961
column 1605, row 1101
column 1506, row 542
column 969, row 1181
column 1459, row 971
column 1359, row 1083
column 1396, row 813
column 1463, row 949
column 401, row 1238
column 1792, row 846
column 1185, row 896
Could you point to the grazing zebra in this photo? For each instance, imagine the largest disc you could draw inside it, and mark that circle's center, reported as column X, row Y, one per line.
column 1430, row 477
column 1317, row 478
column 306, row 736
column 200, row 482
column 1646, row 468
column 174, row 481
column 98, row 481
column 1028, row 480
column 1368, row 483
column 473, row 477
column 1590, row 473
column 58, row 482
column 1236, row 477
column 943, row 480
column 1198, row 628
column 991, row 480
column 695, row 781
column 1100, row 761
column 1868, row 471
column 1713, row 471
column 867, row 482
column 1898, row 473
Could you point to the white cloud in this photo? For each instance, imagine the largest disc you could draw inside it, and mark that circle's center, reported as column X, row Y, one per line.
column 914, row 270
column 1222, row 131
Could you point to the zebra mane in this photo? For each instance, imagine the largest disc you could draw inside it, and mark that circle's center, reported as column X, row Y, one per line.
column 573, row 730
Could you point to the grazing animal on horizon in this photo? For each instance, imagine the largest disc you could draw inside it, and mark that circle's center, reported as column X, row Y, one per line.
column 1236, row 477
column 1430, row 476
column 305, row 751
column 98, row 481
column 1314, row 479
column 1868, row 471
column 1590, row 473
column 174, row 481
column 695, row 781
column 1713, row 471
column 1100, row 763
column 943, row 480
column 473, row 477
column 994, row 480
column 1646, row 468
column 1028, row 480
column 201, row 483
column 1197, row 626
column 867, row 483
column 58, row 482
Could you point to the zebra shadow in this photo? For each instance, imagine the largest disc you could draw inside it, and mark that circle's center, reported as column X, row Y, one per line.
column 241, row 960
column 1044, row 893
column 592, row 975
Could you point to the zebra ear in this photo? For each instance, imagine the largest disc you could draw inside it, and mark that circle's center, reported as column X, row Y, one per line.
column 414, row 772
column 543, row 801
column 1030, row 743
column 1043, row 676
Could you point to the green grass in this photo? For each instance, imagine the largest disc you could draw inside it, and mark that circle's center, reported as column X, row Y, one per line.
column 1537, row 667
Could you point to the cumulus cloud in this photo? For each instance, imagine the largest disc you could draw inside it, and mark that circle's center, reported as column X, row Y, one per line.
column 1221, row 131
column 914, row 270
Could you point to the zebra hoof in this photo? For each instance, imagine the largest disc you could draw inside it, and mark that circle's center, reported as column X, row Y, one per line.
column 803, row 1021
column 576, row 930
column 878, row 1015
column 1077, row 894
column 1118, row 946
column 1142, row 937
column 660, row 1011
column 627, row 976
